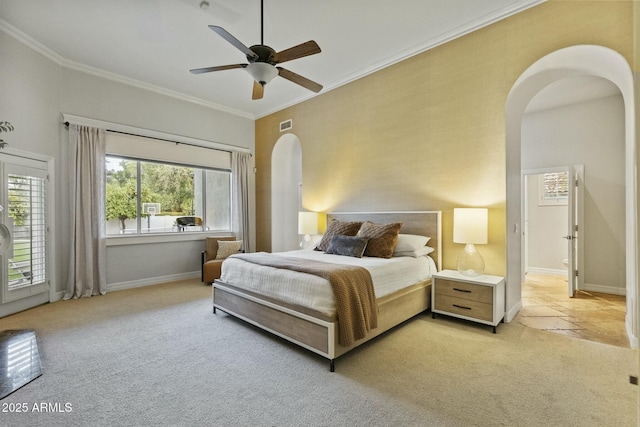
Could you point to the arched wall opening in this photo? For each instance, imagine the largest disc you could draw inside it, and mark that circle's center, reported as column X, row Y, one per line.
column 286, row 182
column 582, row 60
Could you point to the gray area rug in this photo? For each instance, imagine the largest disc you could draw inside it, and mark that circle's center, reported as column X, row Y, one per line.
column 157, row 356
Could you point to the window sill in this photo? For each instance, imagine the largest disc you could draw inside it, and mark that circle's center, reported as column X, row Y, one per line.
column 160, row 238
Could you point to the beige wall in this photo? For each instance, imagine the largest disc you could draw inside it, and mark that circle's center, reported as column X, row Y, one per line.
column 428, row 133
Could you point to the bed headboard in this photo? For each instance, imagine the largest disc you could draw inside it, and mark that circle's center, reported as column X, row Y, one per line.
column 424, row 223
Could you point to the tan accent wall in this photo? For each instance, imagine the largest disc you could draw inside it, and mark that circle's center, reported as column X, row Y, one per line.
column 428, row 133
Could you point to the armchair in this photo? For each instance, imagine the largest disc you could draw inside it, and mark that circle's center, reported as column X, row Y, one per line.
column 212, row 267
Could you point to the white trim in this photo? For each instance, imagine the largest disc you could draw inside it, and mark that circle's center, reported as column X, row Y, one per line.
column 426, row 45
column 72, row 65
column 603, row 289
column 149, row 133
column 145, row 239
column 119, row 286
column 546, row 271
column 513, row 312
column 576, row 60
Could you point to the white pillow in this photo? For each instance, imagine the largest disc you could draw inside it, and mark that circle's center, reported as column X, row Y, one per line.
column 226, row 248
column 425, row 250
column 410, row 242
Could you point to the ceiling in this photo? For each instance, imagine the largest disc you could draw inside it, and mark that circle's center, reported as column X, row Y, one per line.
column 154, row 43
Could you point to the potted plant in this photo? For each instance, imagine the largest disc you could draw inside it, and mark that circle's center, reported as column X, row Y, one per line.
column 5, row 127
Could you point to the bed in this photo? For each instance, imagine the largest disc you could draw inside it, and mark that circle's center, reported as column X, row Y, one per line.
column 245, row 293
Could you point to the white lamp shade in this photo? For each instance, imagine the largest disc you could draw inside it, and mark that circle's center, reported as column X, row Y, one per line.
column 262, row 72
column 307, row 222
column 470, row 225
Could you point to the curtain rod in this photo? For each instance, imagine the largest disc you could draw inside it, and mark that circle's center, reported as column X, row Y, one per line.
column 151, row 134
column 166, row 140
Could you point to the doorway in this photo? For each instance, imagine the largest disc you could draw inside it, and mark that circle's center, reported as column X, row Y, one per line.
column 286, row 193
column 554, row 229
column 24, row 232
column 575, row 61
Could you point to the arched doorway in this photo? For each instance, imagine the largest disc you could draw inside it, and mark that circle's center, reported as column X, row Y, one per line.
column 286, row 182
column 583, row 60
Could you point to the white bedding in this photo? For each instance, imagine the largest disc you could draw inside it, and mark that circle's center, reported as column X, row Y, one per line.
column 314, row 292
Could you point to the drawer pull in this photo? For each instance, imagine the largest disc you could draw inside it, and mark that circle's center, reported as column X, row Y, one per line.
column 462, row 290
column 462, row 306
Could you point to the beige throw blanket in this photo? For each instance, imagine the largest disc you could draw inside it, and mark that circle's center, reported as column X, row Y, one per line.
column 352, row 287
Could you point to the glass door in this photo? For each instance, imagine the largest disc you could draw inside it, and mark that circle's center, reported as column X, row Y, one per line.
column 23, row 228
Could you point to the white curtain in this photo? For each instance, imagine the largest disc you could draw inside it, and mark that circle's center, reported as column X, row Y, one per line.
column 87, row 257
column 240, row 175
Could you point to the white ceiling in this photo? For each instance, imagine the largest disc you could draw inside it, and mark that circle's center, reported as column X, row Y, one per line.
column 154, row 43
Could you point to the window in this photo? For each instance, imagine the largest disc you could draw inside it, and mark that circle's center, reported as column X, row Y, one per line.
column 27, row 202
column 553, row 188
column 154, row 197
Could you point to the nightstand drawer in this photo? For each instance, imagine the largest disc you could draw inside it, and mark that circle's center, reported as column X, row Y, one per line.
column 464, row 307
column 467, row 291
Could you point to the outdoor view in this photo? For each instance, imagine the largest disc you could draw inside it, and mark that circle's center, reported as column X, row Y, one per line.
column 171, row 198
column 27, row 217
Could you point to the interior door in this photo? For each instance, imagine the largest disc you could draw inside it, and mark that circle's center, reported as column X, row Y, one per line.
column 575, row 277
column 23, row 218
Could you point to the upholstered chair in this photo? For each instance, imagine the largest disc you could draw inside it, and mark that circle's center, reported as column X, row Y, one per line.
column 212, row 267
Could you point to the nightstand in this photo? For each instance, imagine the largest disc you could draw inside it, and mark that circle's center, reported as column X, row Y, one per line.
column 479, row 299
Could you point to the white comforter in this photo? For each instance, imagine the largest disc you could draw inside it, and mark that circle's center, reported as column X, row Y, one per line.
column 314, row 292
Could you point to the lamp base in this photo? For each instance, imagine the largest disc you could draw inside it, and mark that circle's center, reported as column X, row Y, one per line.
column 306, row 243
column 470, row 262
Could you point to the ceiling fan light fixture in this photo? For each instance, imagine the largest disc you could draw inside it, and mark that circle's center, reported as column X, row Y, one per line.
column 262, row 72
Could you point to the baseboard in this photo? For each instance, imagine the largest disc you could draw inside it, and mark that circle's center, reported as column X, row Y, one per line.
column 512, row 312
column 604, row 289
column 585, row 287
column 548, row 271
column 59, row 295
column 119, row 286
column 633, row 340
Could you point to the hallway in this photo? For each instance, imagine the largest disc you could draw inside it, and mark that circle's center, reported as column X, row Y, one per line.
column 589, row 315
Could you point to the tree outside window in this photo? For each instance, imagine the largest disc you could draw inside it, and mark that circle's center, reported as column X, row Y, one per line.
column 173, row 191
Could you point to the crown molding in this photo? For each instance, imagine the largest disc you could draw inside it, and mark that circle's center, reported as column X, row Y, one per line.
column 426, row 45
column 431, row 43
column 66, row 63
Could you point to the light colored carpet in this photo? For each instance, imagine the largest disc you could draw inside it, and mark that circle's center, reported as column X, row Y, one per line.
column 158, row 356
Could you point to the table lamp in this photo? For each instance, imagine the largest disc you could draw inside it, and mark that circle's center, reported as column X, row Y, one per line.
column 470, row 229
column 307, row 225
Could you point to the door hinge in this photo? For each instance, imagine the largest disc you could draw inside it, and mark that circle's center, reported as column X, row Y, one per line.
column 576, row 273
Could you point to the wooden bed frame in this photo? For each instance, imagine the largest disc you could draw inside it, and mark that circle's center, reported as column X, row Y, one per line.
column 318, row 332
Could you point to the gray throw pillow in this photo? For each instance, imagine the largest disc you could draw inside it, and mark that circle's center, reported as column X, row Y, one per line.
column 347, row 245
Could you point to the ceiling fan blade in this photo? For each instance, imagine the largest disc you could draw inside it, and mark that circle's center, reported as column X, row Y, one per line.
column 234, row 41
column 299, row 51
column 217, row 68
column 298, row 79
column 258, row 90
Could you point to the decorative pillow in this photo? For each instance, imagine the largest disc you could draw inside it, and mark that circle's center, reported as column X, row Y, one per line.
column 425, row 250
column 228, row 247
column 382, row 238
column 347, row 245
column 337, row 228
column 410, row 242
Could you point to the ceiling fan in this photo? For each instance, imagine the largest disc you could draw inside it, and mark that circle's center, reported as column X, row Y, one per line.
column 263, row 60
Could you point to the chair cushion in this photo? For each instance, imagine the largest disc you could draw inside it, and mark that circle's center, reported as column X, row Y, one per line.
column 211, row 246
column 226, row 248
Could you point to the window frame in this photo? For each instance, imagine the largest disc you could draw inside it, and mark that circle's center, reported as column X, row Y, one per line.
column 166, row 236
column 555, row 199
